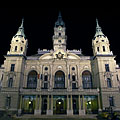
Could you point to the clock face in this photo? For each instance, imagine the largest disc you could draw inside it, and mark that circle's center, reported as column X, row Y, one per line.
column 60, row 28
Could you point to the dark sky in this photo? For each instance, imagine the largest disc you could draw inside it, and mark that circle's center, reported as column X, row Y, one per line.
column 80, row 27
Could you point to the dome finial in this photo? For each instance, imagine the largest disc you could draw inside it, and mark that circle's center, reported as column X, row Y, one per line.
column 98, row 29
column 59, row 21
column 20, row 31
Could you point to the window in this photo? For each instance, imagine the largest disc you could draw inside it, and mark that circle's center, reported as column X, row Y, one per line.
column 8, row 102
column 73, row 77
column 59, row 34
column 15, row 48
column 45, row 85
column 74, row 86
column 103, row 48
column 21, row 48
column 46, row 78
column 73, row 68
column 107, row 68
column 98, row 49
column 102, row 40
column 117, row 77
column 59, row 80
column 10, row 82
column 111, row 101
column 12, row 67
column 59, row 41
column 109, row 84
column 32, row 80
column 46, row 68
column 87, row 80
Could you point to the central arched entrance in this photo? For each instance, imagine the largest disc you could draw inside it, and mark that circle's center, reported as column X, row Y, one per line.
column 59, row 80
column 59, row 104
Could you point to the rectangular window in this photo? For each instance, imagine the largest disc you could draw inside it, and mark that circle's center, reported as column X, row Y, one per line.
column 8, row 102
column 117, row 77
column 107, row 68
column 109, row 84
column 10, row 82
column 103, row 48
column 73, row 77
column 45, row 78
column 111, row 101
column 98, row 49
column 12, row 67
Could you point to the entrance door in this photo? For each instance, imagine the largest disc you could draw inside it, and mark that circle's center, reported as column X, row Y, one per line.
column 59, row 106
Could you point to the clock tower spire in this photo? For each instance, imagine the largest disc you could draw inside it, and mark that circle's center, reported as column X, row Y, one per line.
column 59, row 37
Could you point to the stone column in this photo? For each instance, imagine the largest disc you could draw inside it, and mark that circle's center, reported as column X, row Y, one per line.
column 37, row 103
column 70, row 110
column 20, row 106
column 79, row 100
column 99, row 103
column 51, row 79
column 49, row 106
column 83, row 106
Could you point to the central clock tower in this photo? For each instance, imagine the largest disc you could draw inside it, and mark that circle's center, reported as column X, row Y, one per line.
column 59, row 37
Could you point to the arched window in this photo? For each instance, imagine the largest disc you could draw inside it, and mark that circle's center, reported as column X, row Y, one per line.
column 86, row 80
column 15, row 48
column 10, row 82
column 109, row 84
column 32, row 80
column 59, row 80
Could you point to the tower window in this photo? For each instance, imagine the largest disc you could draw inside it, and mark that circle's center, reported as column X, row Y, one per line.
column 103, row 48
column 102, row 40
column 107, row 68
column 15, row 48
column 111, row 101
column 117, row 77
column 59, row 34
column 21, row 48
column 12, row 67
column 59, row 41
column 98, row 49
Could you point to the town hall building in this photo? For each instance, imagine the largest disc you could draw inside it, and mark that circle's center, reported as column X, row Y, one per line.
column 59, row 81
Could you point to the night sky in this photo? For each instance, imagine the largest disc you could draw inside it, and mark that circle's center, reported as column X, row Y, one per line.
column 80, row 28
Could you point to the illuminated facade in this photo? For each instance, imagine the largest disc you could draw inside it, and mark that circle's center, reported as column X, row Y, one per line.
column 59, row 81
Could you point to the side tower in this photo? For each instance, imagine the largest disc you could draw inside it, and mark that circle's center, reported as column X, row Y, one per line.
column 14, row 71
column 104, row 70
column 59, row 37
